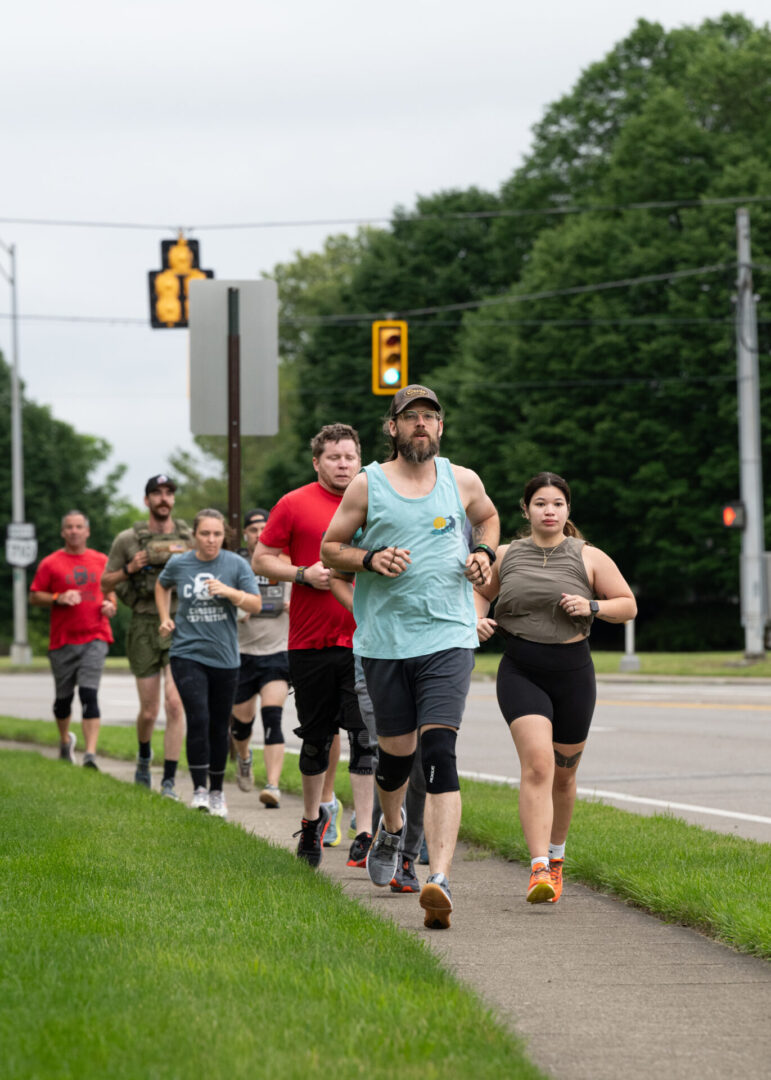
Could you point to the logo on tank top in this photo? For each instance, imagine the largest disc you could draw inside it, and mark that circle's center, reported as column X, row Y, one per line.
column 443, row 525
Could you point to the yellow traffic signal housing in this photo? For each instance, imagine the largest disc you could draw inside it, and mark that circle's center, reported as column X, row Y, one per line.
column 389, row 356
column 169, row 286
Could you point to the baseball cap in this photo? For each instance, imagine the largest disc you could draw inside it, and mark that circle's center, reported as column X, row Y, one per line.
column 413, row 392
column 258, row 514
column 161, row 480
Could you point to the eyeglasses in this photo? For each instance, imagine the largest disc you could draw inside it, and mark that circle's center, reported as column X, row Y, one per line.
column 411, row 415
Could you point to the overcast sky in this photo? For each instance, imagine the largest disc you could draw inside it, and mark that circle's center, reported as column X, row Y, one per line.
column 177, row 112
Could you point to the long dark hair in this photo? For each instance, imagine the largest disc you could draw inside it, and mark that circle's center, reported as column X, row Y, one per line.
column 542, row 480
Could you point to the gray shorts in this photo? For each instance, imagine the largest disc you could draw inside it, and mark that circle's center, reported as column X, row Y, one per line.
column 77, row 665
column 429, row 689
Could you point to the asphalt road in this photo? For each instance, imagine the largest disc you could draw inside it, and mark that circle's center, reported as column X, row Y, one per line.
column 700, row 750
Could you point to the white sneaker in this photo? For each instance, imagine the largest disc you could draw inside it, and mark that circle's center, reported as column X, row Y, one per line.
column 244, row 776
column 200, row 800
column 217, row 804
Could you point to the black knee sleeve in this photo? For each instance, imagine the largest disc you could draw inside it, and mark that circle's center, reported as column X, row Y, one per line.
column 437, row 746
column 271, row 723
column 393, row 770
column 88, row 702
column 241, row 730
column 314, row 758
column 63, row 707
column 362, row 757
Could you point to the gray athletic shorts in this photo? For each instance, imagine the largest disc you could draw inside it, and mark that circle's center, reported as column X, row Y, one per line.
column 77, row 665
column 429, row 689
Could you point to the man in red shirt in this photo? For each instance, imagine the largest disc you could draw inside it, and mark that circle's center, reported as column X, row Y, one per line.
column 68, row 581
column 320, row 632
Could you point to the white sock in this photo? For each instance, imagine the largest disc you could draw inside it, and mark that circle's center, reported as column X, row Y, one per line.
column 331, row 805
column 540, row 859
column 556, row 851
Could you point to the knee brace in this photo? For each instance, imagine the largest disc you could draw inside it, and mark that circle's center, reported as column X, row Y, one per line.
column 314, row 757
column 271, row 723
column 438, row 757
column 362, row 757
column 241, row 729
column 63, row 707
column 88, row 702
column 393, row 770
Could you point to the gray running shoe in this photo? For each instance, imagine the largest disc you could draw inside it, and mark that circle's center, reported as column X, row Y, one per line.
column 217, row 805
column 334, row 835
column 436, row 901
column 65, row 749
column 168, row 791
column 271, row 797
column 89, row 762
column 383, row 856
column 142, row 774
column 244, row 777
column 200, row 800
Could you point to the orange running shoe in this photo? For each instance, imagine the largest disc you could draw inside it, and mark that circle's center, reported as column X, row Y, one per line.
column 540, row 888
column 555, row 874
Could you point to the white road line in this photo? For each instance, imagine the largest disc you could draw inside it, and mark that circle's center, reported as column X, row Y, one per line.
column 599, row 793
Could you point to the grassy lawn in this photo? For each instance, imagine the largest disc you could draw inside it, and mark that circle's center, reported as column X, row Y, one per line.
column 664, row 665
column 141, row 940
column 717, row 883
column 696, row 665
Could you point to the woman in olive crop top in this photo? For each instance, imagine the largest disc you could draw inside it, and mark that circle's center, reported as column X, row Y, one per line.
column 549, row 584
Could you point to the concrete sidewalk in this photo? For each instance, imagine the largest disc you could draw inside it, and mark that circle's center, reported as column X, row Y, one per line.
column 599, row 990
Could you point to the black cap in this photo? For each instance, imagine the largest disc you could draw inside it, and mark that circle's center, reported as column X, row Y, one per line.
column 258, row 514
column 161, row 480
column 413, row 392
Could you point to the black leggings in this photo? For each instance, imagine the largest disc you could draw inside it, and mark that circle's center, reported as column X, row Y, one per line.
column 555, row 681
column 207, row 695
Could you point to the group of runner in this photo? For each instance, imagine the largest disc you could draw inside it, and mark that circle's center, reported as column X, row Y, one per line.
column 388, row 661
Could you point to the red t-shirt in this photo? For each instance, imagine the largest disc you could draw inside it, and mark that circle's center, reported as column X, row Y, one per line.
column 297, row 522
column 81, row 622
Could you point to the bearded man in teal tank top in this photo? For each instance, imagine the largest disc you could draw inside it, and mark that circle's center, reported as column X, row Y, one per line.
column 416, row 626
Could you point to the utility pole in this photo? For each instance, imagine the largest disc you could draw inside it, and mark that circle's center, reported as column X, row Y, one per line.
column 20, row 650
column 754, row 607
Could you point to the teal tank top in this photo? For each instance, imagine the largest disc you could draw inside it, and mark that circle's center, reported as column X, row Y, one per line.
column 430, row 606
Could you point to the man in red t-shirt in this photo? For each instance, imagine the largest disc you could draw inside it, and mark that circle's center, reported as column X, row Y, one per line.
column 68, row 581
column 320, row 632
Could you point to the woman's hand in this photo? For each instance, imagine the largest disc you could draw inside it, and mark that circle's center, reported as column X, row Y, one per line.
column 167, row 627
column 575, row 606
column 485, row 628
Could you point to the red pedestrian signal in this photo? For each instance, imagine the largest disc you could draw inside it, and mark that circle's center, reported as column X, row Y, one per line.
column 169, row 286
column 734, row 516
column 389, row 356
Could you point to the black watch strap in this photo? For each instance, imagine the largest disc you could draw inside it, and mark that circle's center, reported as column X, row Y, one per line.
column 367, row 560
column 300, row 575
column 487, row 550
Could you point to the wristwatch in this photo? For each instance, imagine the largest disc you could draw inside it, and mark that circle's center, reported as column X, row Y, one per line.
column 594, row 607
column 300, row 575
column 487, row 550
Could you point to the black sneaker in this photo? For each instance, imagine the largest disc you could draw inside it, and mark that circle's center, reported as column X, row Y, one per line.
column 357, row 856
column 311, row 833
column 89, row 762
column 405, row 879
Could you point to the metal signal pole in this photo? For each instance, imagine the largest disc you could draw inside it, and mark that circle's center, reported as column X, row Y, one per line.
column 754, row 604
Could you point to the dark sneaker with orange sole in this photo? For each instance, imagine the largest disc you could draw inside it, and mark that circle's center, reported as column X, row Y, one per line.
column 540, row 888
column 436, row 901
column 405, row 879
column 357, row 856
column 555, row 876
column 311, row 833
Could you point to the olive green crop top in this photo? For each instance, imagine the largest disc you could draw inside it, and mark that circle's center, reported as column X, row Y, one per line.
column 528, row 601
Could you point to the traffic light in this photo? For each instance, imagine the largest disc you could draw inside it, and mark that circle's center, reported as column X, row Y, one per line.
column 389, row 356
column 169, row 286
column 734, row 516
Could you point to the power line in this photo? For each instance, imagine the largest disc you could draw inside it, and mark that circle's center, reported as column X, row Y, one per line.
column 461, row 215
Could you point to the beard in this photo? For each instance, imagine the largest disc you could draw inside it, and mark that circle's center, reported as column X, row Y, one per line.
column 417, row 453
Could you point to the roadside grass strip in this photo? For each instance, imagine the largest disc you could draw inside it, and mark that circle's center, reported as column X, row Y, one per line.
column 142, row 940
column 713, row 882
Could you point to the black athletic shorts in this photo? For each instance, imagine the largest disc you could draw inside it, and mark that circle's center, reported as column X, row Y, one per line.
column 555, row 681
column 324, row 692
column 428, row 689
column 256, row 671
